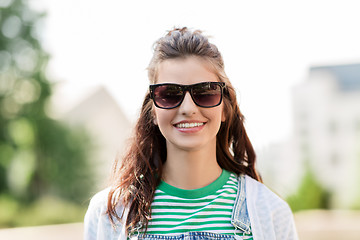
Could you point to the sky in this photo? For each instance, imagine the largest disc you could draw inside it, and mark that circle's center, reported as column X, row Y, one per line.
column 267, row 46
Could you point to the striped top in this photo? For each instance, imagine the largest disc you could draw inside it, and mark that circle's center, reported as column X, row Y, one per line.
column 208, row 209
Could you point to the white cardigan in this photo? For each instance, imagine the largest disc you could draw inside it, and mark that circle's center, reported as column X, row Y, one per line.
column 270, row 216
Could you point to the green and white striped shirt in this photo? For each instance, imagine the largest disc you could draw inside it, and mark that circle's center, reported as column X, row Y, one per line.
column 207, row 209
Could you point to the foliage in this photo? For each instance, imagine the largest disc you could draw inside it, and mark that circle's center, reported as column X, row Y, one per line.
column 39, row 156
column 310, row 194
column 45, row 210
column 356, row 203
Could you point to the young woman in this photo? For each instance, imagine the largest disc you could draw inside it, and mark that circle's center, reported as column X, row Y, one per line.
column 189, row 172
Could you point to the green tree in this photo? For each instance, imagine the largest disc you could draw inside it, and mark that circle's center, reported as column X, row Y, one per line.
column 38, row 155
column 310, row 194
column 356, row 203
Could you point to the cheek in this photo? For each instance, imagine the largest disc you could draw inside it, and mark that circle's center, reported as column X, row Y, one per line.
column 216, row 117
column 162, row 117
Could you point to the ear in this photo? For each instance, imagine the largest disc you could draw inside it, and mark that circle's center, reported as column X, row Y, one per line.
column 155, row 121
column 154, row 116
column 223, row 115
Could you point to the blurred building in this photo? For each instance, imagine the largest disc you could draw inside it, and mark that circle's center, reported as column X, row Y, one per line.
column 108, row 126
column 327, row 128
column 326, row 136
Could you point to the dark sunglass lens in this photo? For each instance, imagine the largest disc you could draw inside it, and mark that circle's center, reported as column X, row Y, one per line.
column 167, row 96
column 207, row 94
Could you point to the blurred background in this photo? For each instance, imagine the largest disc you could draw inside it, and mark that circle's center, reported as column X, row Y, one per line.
column 73, row 76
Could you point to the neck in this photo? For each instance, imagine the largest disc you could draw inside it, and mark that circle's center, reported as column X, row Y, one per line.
column 191, row 169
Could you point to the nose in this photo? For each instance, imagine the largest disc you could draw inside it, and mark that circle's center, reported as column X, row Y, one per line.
column 188, row 107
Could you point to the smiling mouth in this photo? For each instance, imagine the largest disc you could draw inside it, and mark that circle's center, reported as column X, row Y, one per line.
column 188, row 125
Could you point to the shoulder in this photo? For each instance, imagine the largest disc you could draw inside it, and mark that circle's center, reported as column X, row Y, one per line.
column 257, row 191
column 98, row 203
column 100, row 197
column 96, row 222
column 270, row 216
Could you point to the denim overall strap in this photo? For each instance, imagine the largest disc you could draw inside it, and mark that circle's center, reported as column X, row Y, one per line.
column 240, row 217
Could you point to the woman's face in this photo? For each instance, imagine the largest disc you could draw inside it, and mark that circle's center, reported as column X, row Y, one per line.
column 188, row 127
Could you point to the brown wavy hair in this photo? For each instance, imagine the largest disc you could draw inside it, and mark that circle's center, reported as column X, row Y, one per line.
column 138, row 173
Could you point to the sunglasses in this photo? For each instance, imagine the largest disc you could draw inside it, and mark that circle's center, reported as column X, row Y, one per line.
column 169, row 95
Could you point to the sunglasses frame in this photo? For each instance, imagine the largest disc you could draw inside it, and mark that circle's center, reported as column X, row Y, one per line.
column 184, row 89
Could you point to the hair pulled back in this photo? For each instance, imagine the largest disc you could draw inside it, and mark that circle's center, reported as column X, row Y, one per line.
column 139, row 172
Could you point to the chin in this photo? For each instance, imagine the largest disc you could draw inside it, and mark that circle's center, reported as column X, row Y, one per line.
column 191, row 146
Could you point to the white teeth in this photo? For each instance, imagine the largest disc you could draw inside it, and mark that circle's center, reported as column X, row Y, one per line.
column 188, row 125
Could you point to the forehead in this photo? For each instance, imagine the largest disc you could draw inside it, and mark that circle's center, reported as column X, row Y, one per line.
column 187, row 70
